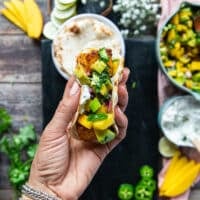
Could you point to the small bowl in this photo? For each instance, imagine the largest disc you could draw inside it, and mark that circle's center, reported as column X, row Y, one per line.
column 100, row 18
column 178, row 139
column 158, row 53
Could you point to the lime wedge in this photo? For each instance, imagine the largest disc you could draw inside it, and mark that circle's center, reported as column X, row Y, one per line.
column 49, row 30
column 64, row 14
column 66, row 1
column 166, row 148
column 62, row 7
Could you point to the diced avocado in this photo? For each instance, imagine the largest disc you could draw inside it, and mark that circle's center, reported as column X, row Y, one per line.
column 83, row 120
column 105, row 136
column 104, row 124
column 196, row 88
column 98, row 66
column 196, row 77
column 104, row 90
column 94, row 104
column 81, row 75
column 103, row 55
column 180, row 80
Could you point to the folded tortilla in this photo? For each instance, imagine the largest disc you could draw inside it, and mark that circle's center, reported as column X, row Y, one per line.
column 98, row 74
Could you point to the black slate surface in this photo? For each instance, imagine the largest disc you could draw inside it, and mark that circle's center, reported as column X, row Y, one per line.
column 140, row 145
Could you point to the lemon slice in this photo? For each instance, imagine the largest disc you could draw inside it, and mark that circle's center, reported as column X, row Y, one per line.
column 66, row 1
column 62, row 7
column 64, row 14
column 49, row 30
column 166, row 148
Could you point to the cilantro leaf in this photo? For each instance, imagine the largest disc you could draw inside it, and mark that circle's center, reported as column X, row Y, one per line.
column 5, row 120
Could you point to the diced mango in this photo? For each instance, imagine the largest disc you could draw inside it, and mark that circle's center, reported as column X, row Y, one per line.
column 83, row 120
column 104, row 124
column 181, row 28
column 171, row 35
column 189, row 83
column 104, row 90
column 172, row 73
column 175, row 19
column 169, row 63
column 103, row 109
column 195, row 66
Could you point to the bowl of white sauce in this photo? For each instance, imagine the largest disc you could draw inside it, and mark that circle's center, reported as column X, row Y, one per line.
column 179, row 118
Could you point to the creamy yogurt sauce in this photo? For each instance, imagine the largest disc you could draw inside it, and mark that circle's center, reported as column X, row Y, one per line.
column 81, row 34
column 181, row 118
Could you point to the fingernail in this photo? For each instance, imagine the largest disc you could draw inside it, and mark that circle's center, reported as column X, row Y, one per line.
column 74, row 89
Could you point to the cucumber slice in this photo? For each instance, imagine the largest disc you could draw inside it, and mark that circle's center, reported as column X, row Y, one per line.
column 49, row 30
column 62, row 7
column 66, row 1
column 166, row 148
column 56, row 22
column 64, row 14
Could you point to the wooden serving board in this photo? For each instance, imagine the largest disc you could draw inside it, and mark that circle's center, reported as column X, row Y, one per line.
column 140, row 145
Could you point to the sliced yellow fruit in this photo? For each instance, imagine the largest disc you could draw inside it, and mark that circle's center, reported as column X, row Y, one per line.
column 185, row 181
column 20, row 10
column 11, row 17
column 14, row 11
column 34, row 19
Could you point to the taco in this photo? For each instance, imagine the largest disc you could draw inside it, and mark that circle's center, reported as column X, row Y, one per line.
column 98, row 74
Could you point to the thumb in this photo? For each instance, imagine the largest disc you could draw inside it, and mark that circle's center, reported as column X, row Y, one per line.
column 66, row 109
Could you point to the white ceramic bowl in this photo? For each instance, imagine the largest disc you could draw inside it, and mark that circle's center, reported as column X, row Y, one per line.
column 100, row 18
column 190, row 107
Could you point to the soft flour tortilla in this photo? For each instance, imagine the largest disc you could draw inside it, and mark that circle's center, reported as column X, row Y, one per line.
column 90, row 135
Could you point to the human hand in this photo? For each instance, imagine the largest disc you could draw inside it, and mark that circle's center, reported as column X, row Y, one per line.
column 64, row 166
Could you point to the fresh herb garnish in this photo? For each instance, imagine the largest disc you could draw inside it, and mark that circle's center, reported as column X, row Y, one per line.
column 20, row 149
column 98, row 80
column 97, row 117
column 5, row 120
column 103, row 55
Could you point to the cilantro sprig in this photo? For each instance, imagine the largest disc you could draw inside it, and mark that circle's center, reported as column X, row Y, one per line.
column 5, row 120
column 19, row 148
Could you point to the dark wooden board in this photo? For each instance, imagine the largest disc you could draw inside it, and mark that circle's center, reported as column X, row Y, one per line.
column 140, row 145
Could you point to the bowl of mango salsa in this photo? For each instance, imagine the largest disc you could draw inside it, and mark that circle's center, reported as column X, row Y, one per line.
column 178, row 48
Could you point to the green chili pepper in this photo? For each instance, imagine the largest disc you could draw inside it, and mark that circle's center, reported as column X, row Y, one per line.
column 143, row 193
column 148, row 183
column 126, row 191
column 146, row 171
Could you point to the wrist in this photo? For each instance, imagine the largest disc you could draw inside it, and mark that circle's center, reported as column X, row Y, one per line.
column 30, row 193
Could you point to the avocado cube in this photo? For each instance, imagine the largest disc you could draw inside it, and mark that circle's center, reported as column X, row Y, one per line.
column 105, row 136
column 81, row 74
column 94, row 105
column 98, row 66
column 196, row 77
